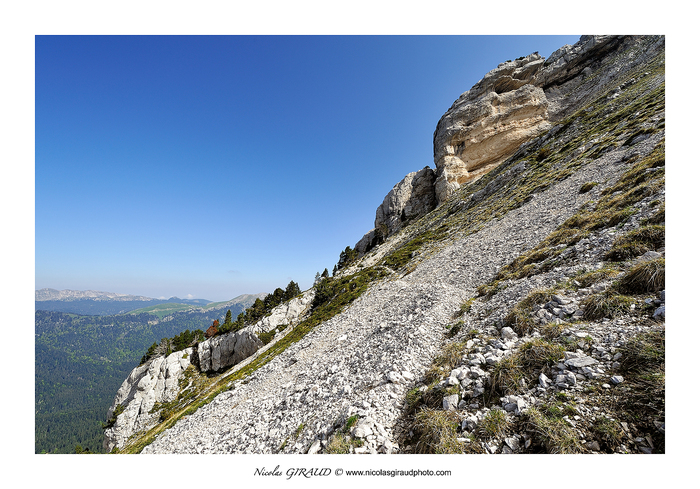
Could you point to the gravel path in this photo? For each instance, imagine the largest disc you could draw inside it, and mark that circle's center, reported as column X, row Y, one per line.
column 363, row 360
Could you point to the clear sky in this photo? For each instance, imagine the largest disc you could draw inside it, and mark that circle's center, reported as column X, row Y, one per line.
column 214, row 166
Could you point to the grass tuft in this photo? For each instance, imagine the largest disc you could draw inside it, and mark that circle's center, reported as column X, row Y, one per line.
column 647, row 276
column 436, row 431
column 494, row 425
column 551, row 431
column 606, row 304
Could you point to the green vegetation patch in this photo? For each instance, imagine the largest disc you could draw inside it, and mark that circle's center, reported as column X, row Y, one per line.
column 519, row 317
column 587, row 279
column 517, row 372
column 436, row 432
column 550, row 430
column 640, row 399
column 399, row 258
column 494, row 425
column 341, row 441
column 586, row 187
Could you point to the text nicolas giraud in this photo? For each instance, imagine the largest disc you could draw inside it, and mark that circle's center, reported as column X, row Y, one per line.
column 326, row 471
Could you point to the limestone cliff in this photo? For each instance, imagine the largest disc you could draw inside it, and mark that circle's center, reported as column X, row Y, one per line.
column 155, row 381
column 513, row 103
column 158, row 381
column 510, row 105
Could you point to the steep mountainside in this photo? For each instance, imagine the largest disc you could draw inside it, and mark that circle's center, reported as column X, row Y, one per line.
column 80, row 362
column 513, row 301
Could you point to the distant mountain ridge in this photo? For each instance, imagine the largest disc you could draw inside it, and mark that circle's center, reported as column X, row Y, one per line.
column 70, row 295
column 93, row 302
column 62, row 295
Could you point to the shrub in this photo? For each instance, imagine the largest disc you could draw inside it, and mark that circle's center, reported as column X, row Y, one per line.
column 266, row 337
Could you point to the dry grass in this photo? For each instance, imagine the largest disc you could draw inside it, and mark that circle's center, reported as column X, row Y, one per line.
column 637, row 242
column 595, row 276
column 515, row 373
column 607, row 304
column 647, row 276
column 551, row 431
column 641, row 398
column 436, row 431
column 519, row 317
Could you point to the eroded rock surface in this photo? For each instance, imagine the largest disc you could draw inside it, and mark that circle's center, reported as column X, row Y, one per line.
column 509, row 106
column 412, row 197
column 154, row 381
column 157, row 381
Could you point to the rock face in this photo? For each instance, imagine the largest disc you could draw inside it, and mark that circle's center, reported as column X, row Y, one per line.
column 155, row 381
column 485, row 127
column 412, row 197
column 158, row 379
column 228, row 349
column 509, row 106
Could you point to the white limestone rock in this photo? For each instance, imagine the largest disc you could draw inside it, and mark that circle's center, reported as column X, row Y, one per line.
column 411, row 198
column 154, row 381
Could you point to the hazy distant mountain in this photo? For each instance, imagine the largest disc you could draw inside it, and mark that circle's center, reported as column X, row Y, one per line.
column 92, row 302
column 69, row 295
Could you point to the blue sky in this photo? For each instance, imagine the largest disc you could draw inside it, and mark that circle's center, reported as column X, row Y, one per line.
column 215, row 166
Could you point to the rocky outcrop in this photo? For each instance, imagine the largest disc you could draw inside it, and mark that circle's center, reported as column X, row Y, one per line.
column 411, row 198
column 158, row 380
column 289, row 313
column 482, row 130
column 510, row 105
column 225, row 350
column 155, row 381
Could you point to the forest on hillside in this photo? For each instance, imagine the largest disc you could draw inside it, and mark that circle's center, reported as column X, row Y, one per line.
column 80, row 362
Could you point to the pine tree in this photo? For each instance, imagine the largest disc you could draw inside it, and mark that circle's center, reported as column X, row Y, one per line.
column 291, row 291
column 228, row 317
